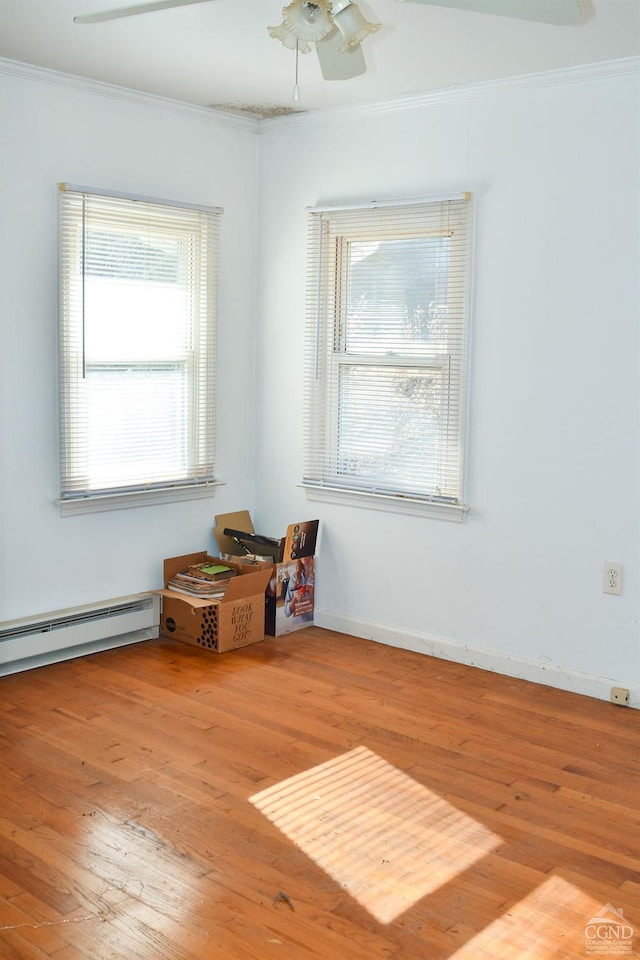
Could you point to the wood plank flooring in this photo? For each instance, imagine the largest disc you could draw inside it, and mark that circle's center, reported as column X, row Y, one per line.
column 313, row 796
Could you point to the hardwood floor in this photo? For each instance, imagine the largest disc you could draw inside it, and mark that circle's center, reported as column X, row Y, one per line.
column 313, row 796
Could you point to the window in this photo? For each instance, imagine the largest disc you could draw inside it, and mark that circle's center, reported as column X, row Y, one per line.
column 386, row 354
column 137, row 287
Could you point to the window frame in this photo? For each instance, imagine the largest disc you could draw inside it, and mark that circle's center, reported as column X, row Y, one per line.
column 196, row 361
column 327, row 355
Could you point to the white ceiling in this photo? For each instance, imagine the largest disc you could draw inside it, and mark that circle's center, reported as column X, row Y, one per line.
column 219, row 53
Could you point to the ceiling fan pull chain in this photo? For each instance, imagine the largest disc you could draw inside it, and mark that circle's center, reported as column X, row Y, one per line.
column 296, row 89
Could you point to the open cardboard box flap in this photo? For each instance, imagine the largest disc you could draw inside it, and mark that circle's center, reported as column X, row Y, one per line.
column 247, row 585
column 240, row 520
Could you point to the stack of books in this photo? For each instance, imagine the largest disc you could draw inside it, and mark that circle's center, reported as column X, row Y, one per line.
column 205, row 580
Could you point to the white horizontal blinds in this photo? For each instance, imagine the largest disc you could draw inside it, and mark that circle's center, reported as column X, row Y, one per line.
column 386, row 347
column 137, row 344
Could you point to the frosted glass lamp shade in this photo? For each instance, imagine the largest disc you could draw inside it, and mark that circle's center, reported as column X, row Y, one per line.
column 290, row 41
column 308, row 21
column 351, row 24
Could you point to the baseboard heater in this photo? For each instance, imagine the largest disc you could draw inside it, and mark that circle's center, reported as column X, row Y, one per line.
column 63, row 634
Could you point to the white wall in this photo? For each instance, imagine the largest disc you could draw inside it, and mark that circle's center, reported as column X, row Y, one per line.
column 55, row 131
column 553, row 479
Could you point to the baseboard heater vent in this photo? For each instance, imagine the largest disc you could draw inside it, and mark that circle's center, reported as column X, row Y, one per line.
column 62, row 634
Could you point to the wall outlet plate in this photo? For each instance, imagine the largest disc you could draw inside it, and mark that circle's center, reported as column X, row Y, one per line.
column 612, row 578
column 619, row 695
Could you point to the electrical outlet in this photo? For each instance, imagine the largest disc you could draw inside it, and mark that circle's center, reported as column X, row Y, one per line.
column 612, row 578
column 619, row 695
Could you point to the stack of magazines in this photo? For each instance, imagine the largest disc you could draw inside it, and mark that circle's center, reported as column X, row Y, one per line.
column 205, row 580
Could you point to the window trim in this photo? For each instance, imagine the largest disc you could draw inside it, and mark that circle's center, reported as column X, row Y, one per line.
column 388, row 503
column 331, row 488
column 99, row 503
column 79, row 501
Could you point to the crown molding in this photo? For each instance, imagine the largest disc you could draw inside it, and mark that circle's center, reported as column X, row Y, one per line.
column 604, row 70
column 27, row 71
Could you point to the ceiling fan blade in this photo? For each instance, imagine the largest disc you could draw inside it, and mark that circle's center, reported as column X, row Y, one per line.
column 336, row 65
column 558, row 12
column 134, row 10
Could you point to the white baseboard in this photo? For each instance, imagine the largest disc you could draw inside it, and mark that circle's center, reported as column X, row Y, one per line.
column 547, row 673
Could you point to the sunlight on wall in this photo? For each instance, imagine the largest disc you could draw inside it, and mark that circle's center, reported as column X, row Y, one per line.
column 384, row 837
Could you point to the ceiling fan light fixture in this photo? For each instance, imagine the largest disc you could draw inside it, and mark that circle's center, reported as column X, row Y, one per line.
column 351, row 24
column 288, row 39
column 308, row 21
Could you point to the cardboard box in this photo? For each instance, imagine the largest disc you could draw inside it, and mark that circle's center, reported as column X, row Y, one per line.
column 235, row 620
column 289, row 603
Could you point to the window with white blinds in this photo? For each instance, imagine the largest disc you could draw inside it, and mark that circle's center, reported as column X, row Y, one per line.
column 137, row 295
column 386, row 352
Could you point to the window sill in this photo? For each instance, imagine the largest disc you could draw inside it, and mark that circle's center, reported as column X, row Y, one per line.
column 136, row 498
column 455, row 513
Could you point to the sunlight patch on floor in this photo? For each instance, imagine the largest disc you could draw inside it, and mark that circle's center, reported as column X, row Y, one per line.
column 385, row 838
column 553, row 922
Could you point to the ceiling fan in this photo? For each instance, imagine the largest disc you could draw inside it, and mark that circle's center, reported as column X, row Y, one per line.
column 337, row 27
